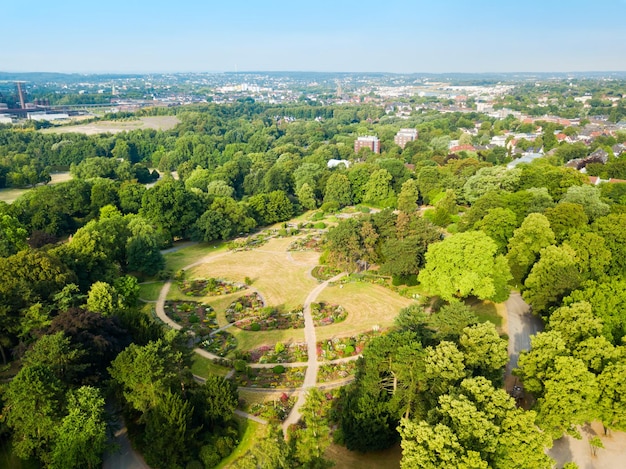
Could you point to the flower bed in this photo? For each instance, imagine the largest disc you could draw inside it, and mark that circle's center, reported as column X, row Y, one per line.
column 209, row 287
column 273, row 411
column 280, row 353
column 251, row 242
column 198, row 317
column 220, row 343
column 324, row 272
column 341, row 347
column 277, row 377
column 308, row 243
column 336, row 371
column 250, row 314
column 325, row 314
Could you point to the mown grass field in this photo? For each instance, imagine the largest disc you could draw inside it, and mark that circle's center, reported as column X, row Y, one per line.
column 178, row 260
column 114, row 127
column 11, row 195
column 367, row 305
column 202, row 366
column 281, row 281
column 249, row 433
column 150, row 291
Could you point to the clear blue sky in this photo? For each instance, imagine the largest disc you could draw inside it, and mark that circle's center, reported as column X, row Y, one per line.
column 322, row 35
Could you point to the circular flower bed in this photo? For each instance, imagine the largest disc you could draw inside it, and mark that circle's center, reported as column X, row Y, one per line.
column 341, row 347
column 277, row 377
column 209, row 287
column 250, row 314
column 198, row 317
column 325, row 314
column 220, row 343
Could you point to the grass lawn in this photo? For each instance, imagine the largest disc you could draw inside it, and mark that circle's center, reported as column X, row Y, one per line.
column 249, row 433
column 281, row 281
column 150, row 291
column 202, row 366
column 259, row 397
column 248, row 340
column 10, row 195
column 179, row 259
column 346, row 459
column 486, row 311
column 367, row 305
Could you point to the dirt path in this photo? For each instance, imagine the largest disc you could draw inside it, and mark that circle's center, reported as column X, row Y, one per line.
column 521, row 324
column 310, row 377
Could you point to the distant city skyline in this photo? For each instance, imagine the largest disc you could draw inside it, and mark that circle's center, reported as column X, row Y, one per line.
column 341, row 36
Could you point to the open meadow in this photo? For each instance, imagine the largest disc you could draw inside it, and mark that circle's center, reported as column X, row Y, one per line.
column 114, row 127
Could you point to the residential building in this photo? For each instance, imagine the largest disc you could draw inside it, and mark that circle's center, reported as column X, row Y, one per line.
column 405, row 136
column 368, row 141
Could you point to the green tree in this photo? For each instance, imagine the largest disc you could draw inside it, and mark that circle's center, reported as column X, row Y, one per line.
column 551, row 278
column 102, row 298
column 407, row 199
column 378, row 188
column 589, row 198
column 82, row 434
column 465, row 264
column 338, row 190
column 33, row 409
column 528, row 240
column 485, row 352
column 306, row 196
column 566, row 219
column 12, row 235
column 499, row 224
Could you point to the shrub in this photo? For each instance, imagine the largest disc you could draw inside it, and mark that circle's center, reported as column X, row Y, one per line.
column 240, row 366
column 248, row 281
column 408, row 280
column 349, row 350
column 255, row 327
column 320, row 225
column 329, row 207
column 209, row 456
column 279, row 347
column 278, row 369
column 317, row 216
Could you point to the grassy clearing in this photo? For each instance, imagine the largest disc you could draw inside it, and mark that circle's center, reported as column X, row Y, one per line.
column 280, row 280
column 179, row 259
column 259, row 397
column 11, row 195
column 249, row 433
column 150, row 291
column 367, row 304
column 485, row 311
column 248, row 340
column 202, row 366
column 114, row 127
column 346, row 459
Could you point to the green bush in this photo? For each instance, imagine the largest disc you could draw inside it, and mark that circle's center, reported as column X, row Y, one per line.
column 317, row 216
column 329, row 207
column 255, row 327
column 240, row 366
column 278, row 369
column 320, row 225
column 349, row 350
column 247, row 281
column 209, row 456
column 408, row 280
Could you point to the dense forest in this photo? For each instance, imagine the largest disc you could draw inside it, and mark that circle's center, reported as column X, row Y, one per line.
column 75, row 341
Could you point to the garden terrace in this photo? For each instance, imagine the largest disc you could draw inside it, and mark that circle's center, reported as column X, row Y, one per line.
column 336, row 371
column 220, row 343
column 192, row 315
column 275, row 410
column 280, row 353
column 308, row 243
column 342, row 347
column 209, row 287
column 276, row 377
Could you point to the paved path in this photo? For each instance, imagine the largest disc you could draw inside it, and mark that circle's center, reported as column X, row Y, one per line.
column 521, row 324
column 124, row 457
column 310, row 377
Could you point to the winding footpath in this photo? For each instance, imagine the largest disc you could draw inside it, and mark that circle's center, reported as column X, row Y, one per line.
column 310, row 377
